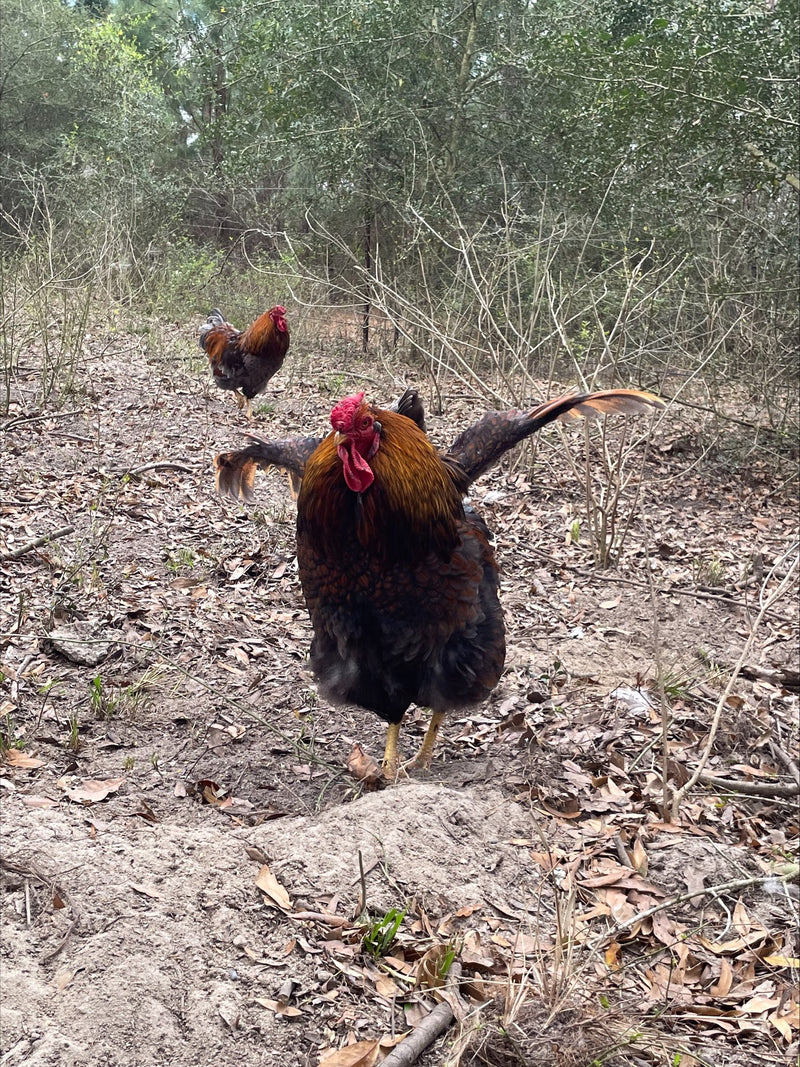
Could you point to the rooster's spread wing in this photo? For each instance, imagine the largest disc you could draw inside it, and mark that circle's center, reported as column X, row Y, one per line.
column 487, row 440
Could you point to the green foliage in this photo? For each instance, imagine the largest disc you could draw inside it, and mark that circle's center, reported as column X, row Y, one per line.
column 381, row 933
column 514, row 185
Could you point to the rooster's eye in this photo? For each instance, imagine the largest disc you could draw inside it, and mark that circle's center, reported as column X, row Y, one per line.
column 365, row 422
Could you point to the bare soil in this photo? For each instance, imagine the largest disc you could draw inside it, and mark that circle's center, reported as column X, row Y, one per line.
column 164, row 744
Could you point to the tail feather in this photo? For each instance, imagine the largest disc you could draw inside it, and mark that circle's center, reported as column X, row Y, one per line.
column 586, row 405
column 215, row 321
column 410, row 405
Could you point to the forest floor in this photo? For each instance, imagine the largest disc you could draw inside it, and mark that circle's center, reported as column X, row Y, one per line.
column 191, row 876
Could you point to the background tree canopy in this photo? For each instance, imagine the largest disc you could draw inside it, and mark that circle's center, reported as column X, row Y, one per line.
column 541, row 179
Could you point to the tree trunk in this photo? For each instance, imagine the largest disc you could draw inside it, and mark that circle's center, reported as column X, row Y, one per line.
column 368, row 272
column 462, row 81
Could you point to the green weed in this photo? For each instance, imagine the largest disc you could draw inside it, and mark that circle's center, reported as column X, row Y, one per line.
column 380, row 936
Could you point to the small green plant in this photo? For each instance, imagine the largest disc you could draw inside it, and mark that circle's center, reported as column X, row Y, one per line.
column 128, row 763
column 334, row 383
column 678, row 686
column 446, row 962
column 575, row 531
column 709, row 572
column 96, row 694
column 8, row 736
column 74, row 742
column 183, row 557
column 381, row 934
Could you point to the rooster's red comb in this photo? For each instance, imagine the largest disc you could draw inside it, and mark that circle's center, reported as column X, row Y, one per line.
column 343, row 416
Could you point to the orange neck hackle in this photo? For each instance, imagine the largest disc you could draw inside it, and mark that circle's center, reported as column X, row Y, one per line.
column 266, row 328
column 411, row 507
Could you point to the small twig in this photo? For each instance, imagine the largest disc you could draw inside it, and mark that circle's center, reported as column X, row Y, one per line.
column 324, row 917
column 362, row 893
column 664, row 707
column 48, row 957
column 695, row 594
column 25, row 419
column 23, row 549
column 72, row 437
column 751, row 789
column 160, row 465
column 712, row 891
column 791, row 766
column 285, row 992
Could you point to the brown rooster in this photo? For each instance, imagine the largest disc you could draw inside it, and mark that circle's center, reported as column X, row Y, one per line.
column 245, row 360
column 399, row 577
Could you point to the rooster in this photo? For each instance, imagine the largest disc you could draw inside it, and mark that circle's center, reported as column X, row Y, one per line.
column 245, row 360
column 399, row 577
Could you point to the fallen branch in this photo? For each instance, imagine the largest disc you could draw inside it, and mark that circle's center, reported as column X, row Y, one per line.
column 21, row 420
column 160, row 465
column 23, row 549
column 791, row 766
column 751, row 789
column 323, row 917
column 431, row 1027
column 790, row 873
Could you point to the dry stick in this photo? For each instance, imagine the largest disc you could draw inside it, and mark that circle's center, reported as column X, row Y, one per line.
column 432, row 1026
column 680, row 794
column 751, row 789
column 362, row 897
column 792, row 767
column 720, row 598
column 23, row 420
column 160, row 465
column 714, row 891
column 23, row 549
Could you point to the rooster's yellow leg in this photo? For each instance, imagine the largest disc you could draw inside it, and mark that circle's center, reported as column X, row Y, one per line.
column 240, row 399
column 390, row 764
column 248, row 409
column 423, row 757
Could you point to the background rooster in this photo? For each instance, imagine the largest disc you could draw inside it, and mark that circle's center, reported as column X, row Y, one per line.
column 245, row 360
column 400, row 580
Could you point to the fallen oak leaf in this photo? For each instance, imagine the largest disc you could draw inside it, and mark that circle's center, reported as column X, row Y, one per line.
column 211, row 792
column 387, row 987
column 16, row 758
column 39, row 802
column 273, row 890
column 757, row 1005
column 63, row 979
column 431, row 972
column 91, row 790
column 363, row 767
column 287, row 1010
column 361, row 1054
column 722, row 986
